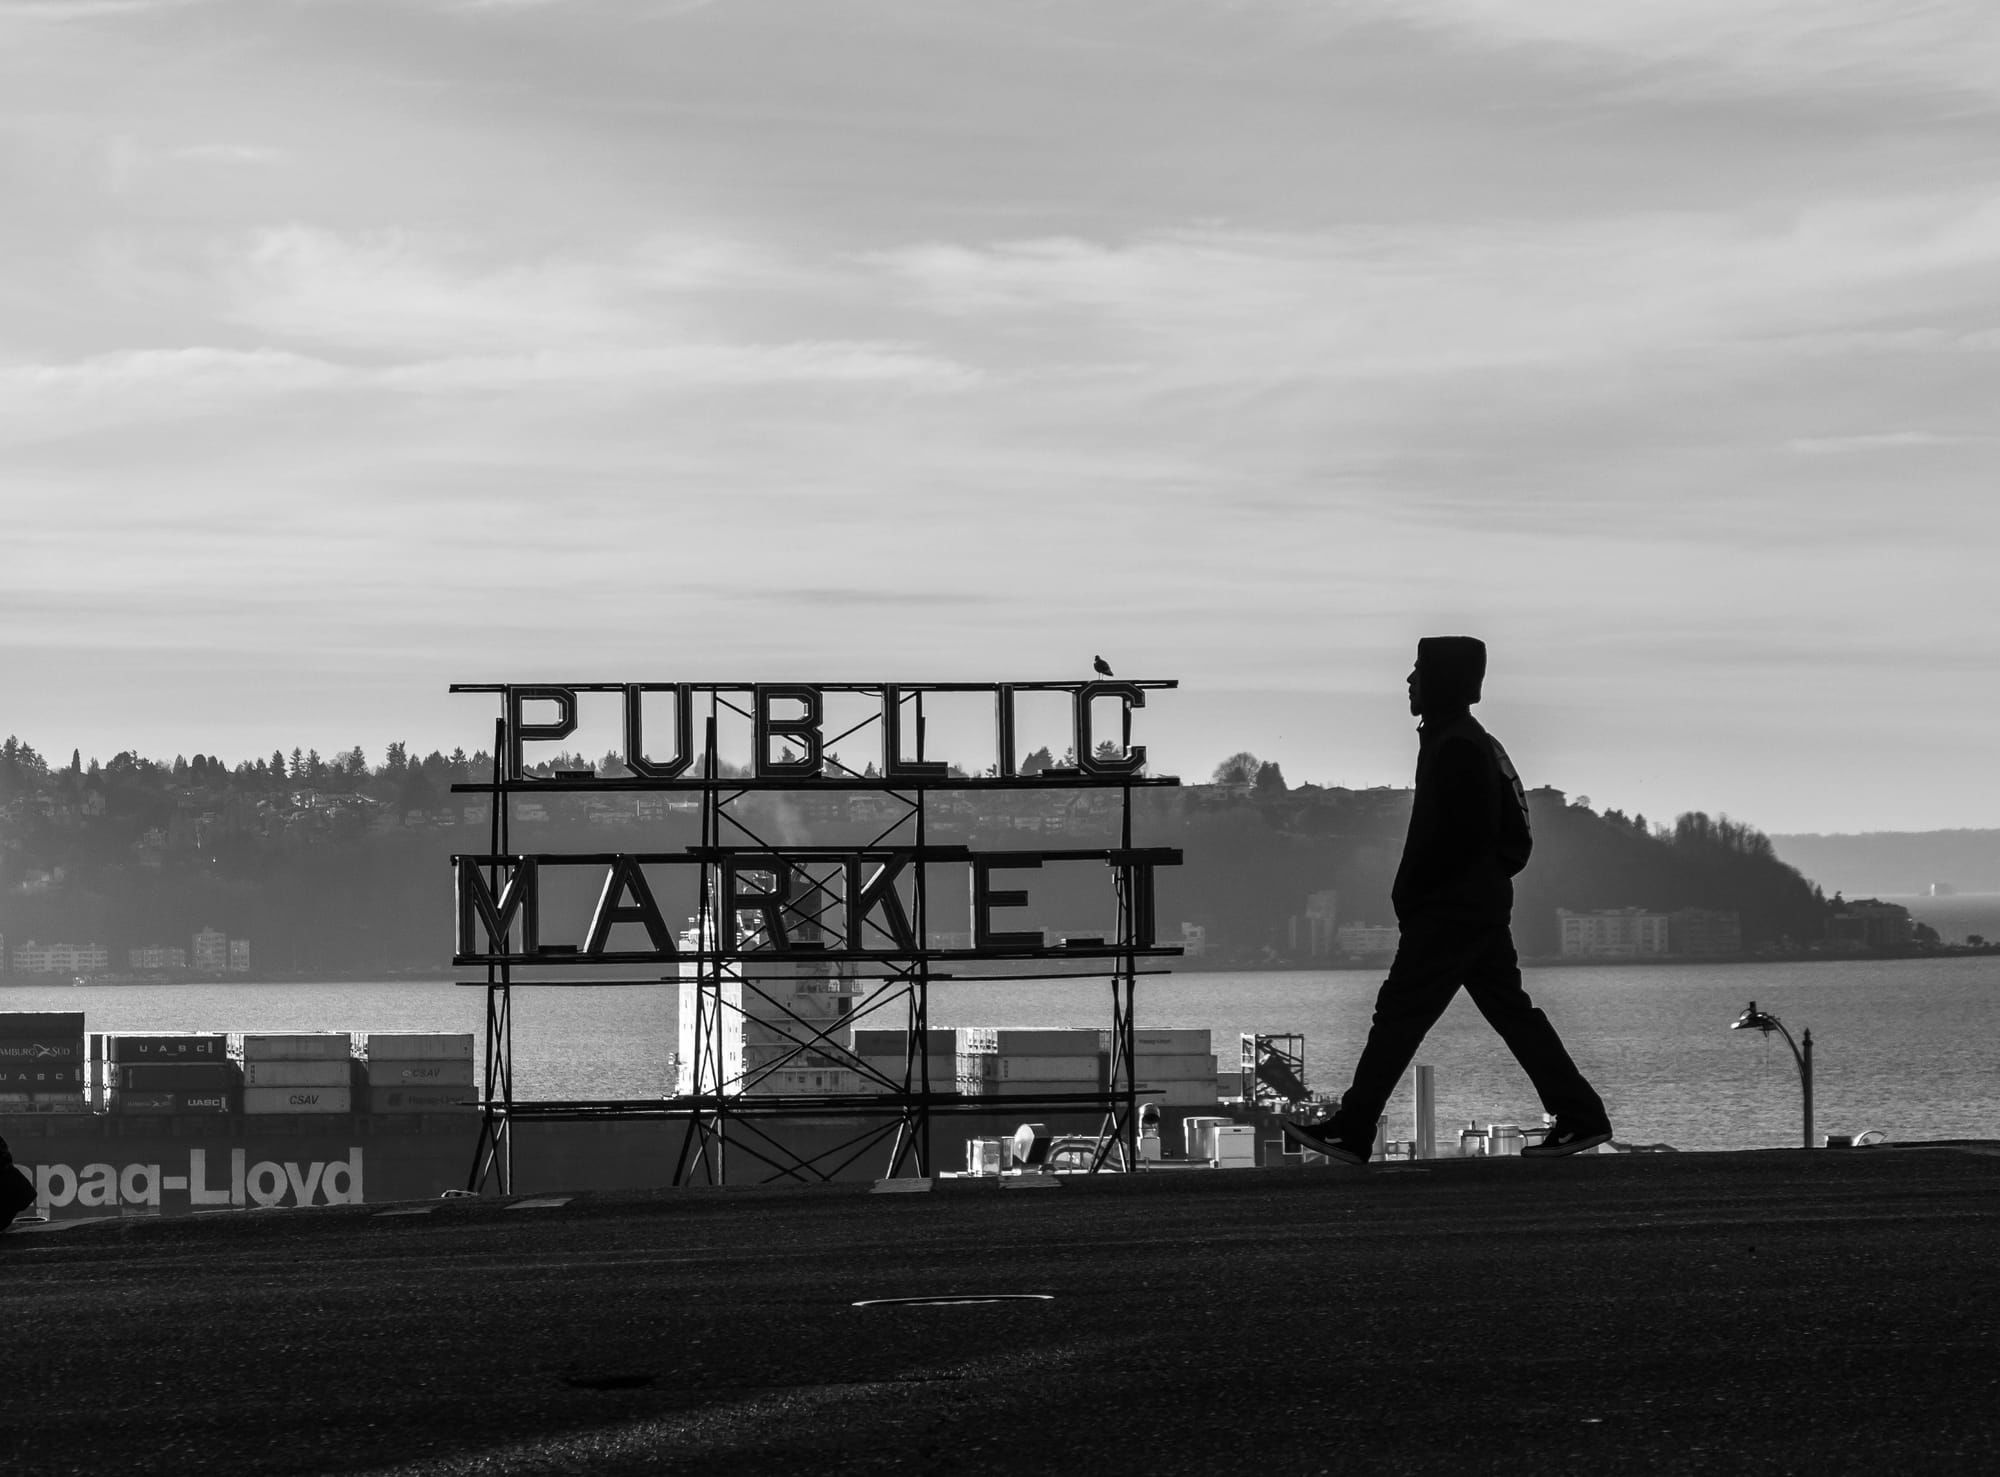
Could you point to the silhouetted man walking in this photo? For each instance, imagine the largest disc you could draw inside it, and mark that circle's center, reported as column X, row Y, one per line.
column 1454, row 897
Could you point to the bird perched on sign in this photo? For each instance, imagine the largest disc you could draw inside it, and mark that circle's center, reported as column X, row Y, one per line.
column 1103, row 668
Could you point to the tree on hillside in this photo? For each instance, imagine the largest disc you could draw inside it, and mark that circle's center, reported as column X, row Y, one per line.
column 1237, row 769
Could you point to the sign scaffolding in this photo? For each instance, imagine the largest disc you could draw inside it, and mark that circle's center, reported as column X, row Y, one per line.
column 792, row 945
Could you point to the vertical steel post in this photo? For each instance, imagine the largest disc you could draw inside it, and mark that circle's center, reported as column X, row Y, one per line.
column 493, row 1149
column 1424, row 1129
column 1124, row 1047
column 708, row 976
column 1806, row 1085
column 921, row 1006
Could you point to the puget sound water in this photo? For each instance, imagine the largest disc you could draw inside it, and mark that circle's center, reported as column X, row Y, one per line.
column 1911, row 1046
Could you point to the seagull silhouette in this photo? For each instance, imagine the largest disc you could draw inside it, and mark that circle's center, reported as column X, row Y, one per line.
column 1101, row 665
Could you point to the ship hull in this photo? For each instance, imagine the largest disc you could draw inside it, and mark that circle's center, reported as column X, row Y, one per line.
column 100, row 1165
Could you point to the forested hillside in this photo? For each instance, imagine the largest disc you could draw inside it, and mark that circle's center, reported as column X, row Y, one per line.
column 339, row 867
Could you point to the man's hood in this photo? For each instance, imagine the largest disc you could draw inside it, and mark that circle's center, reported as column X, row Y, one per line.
column 1450, row 670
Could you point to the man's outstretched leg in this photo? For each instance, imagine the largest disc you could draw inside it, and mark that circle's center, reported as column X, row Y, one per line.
column 1426, row 973
column 1493, row 980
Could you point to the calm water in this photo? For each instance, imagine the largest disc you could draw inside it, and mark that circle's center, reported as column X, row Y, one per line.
column 1907, row 1046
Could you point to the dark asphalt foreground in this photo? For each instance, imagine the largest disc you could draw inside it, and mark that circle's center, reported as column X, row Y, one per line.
column 1759, row 1312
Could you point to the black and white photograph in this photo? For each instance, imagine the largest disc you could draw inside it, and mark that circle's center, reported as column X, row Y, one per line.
column 657, row 654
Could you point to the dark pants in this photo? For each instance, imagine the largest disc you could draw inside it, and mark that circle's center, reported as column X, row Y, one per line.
column 1433, row 959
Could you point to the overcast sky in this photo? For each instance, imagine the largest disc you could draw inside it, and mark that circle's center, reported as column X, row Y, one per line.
column 349, row 349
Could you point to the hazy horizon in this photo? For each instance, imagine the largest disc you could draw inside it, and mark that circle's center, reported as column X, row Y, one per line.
column 351, row 350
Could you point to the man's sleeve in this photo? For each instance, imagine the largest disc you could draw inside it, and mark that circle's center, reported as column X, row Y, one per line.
column 1463, row 824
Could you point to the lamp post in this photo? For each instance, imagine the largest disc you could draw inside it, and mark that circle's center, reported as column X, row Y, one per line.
column 1762, row 1020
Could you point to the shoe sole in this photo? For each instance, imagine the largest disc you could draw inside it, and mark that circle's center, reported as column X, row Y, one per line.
column 1332, row 1153
column 1575, row 1146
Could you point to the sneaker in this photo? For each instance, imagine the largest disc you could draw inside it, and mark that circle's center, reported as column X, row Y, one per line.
column 1317, row 1138
column 1568, row 1138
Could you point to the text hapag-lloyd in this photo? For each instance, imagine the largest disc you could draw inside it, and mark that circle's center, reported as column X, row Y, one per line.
column 267, row 1182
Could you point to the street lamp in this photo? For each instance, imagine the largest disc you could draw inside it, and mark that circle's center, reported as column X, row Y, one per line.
column 1762, row 1020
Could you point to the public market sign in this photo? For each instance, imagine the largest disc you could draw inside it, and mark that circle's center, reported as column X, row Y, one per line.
column 768, row 901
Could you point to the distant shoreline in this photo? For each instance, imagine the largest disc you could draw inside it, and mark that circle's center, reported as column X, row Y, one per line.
column 1182, row 966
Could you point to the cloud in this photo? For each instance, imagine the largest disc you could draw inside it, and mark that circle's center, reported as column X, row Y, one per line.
column 385, row 292
column 250, row 154
column 39, row 402
column 84, row 10
column 185, row 376
column 399, row 293
column 710, row 366
column 1708, row 47
column 1880, row 441
column 1389, row 302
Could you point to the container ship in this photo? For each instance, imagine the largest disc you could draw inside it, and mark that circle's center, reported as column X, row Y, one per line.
column 110, row 1124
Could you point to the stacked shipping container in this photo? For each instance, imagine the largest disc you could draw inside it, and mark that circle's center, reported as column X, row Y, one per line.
column 41, row 1061
column 1174, row 1068
column 308, row 1073
column 1175, row 1065
column 957, row 1059
column 1038, row 1063
column 165, row 1074
column 406, row 1072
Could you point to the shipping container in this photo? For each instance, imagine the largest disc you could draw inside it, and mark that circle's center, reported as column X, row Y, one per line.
column 945, row 1067
column 175, row 1076
column 41, row 1076
column 23, row 1050
column 298, row 1074
column 205, row 1048
column 314, row 1046
column 1175, row 1068
column 174, row 1102
column 804, row 1081
column 420, row 1100
column 56, row 1025
column 298, row 1100
column 58, row 1102
column 145, row 1101
column 1170, row 1041
column 872, row 1043
column 1046, row 1042
column 412, row 1046
column 1177, row 1093
column 42, row 1102
column 1050, row 1068
column 393, row 1072
column 1038, row 1088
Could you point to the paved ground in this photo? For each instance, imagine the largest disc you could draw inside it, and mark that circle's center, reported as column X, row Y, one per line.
column 1767, row 1312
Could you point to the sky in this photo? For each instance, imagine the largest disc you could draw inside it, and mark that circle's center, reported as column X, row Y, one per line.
column 352, row 348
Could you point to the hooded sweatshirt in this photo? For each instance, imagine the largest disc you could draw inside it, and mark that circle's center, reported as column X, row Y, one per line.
column 1469, row 825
